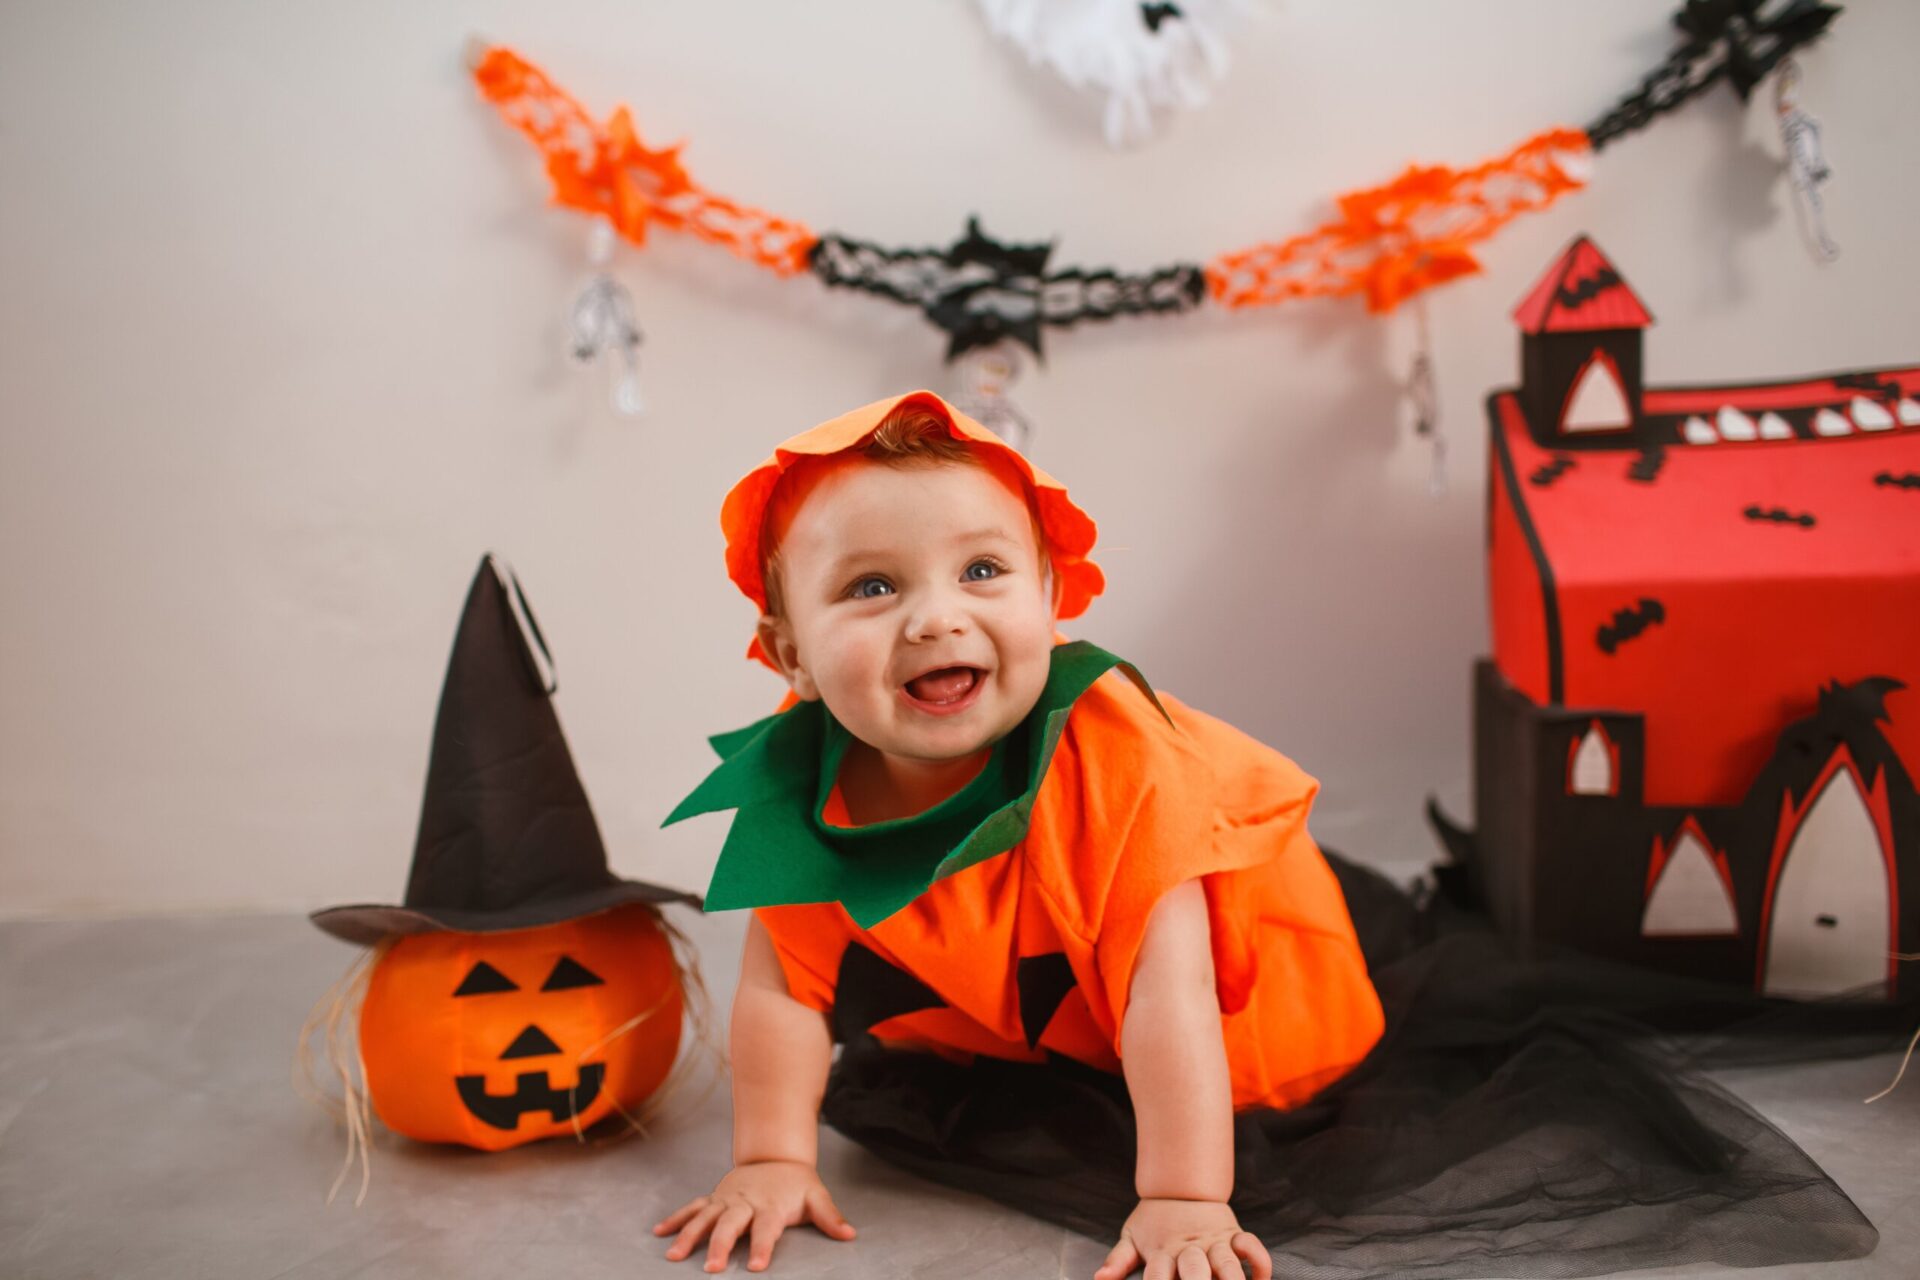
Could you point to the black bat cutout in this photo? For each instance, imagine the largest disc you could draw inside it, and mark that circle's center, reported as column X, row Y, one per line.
column 532, row 1092
column 1779, row 515
column 1628, row 623
column 1886, row 387
column 1546, row 475
column 1571, row 296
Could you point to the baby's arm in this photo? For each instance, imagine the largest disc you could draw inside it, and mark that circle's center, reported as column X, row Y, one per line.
column 1175, row 1061
column 780, row 1053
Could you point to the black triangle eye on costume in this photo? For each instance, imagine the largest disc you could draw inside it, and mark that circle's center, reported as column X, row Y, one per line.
column 569, row 973
column 484, row 980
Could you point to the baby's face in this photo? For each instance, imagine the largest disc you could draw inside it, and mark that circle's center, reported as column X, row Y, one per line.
column 917, row 607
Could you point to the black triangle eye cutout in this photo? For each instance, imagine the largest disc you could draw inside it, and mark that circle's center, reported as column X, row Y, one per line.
column 484, row 980
column 532, row 1042
column 570, row 973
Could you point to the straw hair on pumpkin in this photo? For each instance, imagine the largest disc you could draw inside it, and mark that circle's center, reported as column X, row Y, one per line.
column 703, row 1044
column 1901, row 1073
column 335, row 1018
column 1911, row 1044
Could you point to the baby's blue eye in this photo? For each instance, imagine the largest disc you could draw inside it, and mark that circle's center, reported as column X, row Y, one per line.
column 982, row 570
column 870, row 588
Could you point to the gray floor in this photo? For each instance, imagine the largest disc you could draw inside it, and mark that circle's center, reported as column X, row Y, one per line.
column 148, row 1129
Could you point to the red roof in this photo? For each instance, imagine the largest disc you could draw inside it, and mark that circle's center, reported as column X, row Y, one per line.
column 1581, row 291
column 1780, row 564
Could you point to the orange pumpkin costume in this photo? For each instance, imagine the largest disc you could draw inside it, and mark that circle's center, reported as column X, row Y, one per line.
column 1028, row 950
column 1033, row 951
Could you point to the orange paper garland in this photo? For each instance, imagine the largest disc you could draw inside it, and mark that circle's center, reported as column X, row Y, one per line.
column 1391, row 242
column 607, row 170
column 1388, row 243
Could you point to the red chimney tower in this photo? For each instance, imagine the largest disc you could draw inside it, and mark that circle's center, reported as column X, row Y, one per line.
column 1580, row 344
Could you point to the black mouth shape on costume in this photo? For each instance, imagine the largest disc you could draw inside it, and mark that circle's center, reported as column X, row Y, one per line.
column 532, row 1092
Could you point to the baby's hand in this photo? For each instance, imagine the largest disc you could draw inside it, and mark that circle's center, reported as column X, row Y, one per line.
column 767, row 1196
column 1191, row 1239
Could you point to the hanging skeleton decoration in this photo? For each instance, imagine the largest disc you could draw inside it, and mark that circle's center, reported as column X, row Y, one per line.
column 1142, row 56
column 1806, row 160
column 985, row 375
column 601, row 323
column 1426, row 400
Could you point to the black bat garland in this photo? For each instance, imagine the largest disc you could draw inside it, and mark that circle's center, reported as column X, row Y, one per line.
column 1736, row 40
column 980, row 291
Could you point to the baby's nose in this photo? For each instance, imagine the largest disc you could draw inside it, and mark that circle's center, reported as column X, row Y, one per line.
column 936, row 619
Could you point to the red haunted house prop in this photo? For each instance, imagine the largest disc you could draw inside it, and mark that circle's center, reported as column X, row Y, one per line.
column 1692, row 748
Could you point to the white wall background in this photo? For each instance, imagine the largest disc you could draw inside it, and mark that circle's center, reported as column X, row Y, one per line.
column 281, row 353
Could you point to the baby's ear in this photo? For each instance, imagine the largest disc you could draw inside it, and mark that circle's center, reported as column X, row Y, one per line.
column 776, row 639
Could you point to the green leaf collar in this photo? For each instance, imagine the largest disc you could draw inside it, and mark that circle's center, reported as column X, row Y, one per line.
column 779, row 772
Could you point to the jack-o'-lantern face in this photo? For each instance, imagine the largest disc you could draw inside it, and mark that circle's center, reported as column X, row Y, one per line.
column 496, row 1039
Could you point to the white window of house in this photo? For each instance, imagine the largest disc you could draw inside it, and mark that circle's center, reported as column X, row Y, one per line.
column 1592, row 771
column 1689, row 900
column 1598, row 402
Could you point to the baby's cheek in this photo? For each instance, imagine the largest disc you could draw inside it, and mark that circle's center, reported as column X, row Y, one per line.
column 1028, row 678
column 861, row 682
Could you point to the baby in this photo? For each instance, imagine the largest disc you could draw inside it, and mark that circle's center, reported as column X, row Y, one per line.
column 967, row 836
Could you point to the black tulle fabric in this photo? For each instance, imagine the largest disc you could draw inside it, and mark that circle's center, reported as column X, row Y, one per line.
column 1543, row 1118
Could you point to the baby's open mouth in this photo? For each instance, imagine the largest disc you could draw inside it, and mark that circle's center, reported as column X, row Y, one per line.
column 946, row 685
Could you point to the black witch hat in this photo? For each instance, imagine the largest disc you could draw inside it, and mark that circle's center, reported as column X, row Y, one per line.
column 507, row 839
